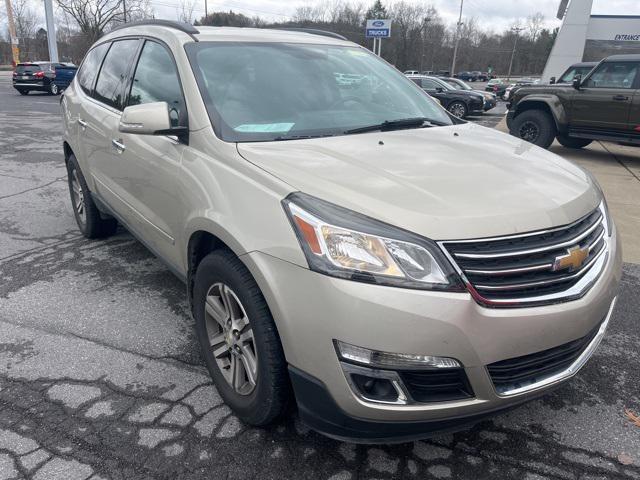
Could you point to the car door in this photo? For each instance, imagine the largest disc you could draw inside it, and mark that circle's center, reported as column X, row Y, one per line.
column 80, row 109
column 604, row 100
column 101, row 118
column 634, row 117
column 149, row 164
column 433, row 89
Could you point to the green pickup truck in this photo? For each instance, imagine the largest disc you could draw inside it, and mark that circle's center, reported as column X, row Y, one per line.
column 604, row 105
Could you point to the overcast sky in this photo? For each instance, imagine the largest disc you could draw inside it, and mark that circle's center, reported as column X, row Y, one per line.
column 491, row 14
column 495, row 14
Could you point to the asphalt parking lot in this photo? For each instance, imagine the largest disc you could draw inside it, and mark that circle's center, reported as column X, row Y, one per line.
column 100, row 374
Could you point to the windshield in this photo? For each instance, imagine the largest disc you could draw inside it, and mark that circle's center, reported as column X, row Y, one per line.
column 273, row 91
column 572, row 72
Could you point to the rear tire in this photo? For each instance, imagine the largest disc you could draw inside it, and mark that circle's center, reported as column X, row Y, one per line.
column 221, row 280
column 534, row 126
column 23, row 91
column 88, row 217
column 53, row 89
column 571, row 142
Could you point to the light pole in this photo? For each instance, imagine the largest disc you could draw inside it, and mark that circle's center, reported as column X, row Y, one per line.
column 455, row 48
column 425, row 22
column 51, row 32
column 13, row 38
column 517, row 31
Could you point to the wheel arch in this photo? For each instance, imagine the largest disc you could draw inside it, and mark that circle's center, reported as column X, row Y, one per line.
column 204, row 238
column 548, row 103
column 68, row 151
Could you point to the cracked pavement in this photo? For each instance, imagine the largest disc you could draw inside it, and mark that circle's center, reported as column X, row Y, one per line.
column 101, row 377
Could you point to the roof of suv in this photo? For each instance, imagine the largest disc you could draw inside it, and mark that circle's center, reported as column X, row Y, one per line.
column 231, row 34
column 631, row 57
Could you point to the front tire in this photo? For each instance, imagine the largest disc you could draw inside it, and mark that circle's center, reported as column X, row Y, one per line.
column 239, row 340
column 23, row 91
column 458, row 109
column 571, row 142
column 88, row 217
column 534, row 126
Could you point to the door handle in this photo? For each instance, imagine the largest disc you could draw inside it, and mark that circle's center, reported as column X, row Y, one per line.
column 620, row 98
column 82, row 123
column 118, row 145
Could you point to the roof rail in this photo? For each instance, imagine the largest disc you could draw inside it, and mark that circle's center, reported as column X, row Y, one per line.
column 314, row 31
column 182, row 26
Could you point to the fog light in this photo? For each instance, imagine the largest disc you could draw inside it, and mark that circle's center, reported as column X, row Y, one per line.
column 376, row 389
column 374, row 358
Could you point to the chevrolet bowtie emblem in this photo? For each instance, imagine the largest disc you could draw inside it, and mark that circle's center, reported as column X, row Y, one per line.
column 572, row 260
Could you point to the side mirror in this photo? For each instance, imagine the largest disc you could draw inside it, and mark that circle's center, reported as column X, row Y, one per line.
column 439, row 89
column 552, row 80
column 577, row 81
column 149, row 119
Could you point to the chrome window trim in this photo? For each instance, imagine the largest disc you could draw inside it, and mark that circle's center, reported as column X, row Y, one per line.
column 569, row 371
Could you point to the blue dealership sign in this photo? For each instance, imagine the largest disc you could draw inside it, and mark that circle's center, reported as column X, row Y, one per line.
column 378, row 28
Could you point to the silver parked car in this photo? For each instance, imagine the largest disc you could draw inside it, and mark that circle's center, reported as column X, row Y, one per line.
column 347, row 245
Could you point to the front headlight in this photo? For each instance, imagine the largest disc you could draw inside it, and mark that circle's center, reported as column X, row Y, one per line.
column 346, row 244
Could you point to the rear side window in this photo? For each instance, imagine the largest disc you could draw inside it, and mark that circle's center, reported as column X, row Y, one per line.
column 156, row 80
column 27, row 69
column 113, row 74
column 90, row 66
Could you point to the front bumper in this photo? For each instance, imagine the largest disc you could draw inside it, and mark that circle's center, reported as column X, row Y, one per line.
column 311, row 310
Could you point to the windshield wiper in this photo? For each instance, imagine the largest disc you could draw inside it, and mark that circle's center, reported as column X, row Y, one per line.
column 398, row 125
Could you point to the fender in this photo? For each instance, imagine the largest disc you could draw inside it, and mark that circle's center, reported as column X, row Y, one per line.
column 552, row 101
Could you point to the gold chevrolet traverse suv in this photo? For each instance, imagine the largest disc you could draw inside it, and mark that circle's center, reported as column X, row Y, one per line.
column 345, row 242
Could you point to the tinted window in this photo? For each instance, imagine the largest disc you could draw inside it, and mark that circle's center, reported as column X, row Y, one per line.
column 156, row 80
column 429, row 84
column 613, row 75
column 27, row 69
column 90, row 66
column 572, row 72
column 113, row 74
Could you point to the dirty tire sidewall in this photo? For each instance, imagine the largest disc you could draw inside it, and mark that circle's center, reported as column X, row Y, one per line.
column 94, row 226
column 271, row 395
column 537, row 120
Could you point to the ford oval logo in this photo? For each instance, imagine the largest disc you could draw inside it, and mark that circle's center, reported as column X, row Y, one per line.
column 378, row 23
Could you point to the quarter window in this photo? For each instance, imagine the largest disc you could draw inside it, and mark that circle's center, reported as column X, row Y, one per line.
column 156, row 80
column 613, row 75
column 113, row 74
column 90, row 66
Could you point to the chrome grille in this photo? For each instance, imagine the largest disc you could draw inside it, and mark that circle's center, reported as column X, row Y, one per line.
column 547, row 266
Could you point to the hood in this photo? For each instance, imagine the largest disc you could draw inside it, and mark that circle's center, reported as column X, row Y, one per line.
column 455, row 182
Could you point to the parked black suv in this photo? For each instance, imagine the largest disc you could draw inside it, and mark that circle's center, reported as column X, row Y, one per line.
column 38, row 76
column 604, row 105
column 458, row 102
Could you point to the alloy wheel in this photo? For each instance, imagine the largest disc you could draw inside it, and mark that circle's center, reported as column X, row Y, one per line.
column 457, row 109
column 529, row 131
column 78, row 197
column 231, row 338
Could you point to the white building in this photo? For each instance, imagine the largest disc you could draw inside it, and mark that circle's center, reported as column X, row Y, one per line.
column 586, row 37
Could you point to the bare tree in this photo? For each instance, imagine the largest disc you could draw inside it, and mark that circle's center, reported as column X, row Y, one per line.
column 535, row 23
column 94, row 17
column 185, row 10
